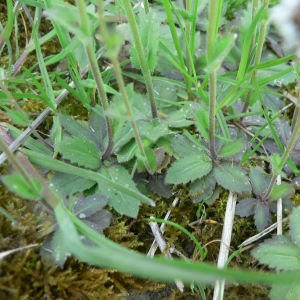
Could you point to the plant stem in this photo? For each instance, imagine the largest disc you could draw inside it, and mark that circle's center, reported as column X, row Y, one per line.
column 290, row 146
column 146, row 6
column 177, row 45
column 213, row 16
column 261, row 41
column 97, row 75
column 141, row 56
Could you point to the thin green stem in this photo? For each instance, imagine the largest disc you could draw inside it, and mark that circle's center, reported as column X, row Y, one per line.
column 177, row 45
column 261, row 41
column 213, row 21
column 114, row 59
column 290, row 146
column 141, row 56
column 146, row 6
column 97, row 75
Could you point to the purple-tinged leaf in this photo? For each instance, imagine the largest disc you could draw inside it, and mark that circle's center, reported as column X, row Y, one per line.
column 259, row 181
column 158, row 186
column 262, row 215
column 246, row 207
column 90, row 205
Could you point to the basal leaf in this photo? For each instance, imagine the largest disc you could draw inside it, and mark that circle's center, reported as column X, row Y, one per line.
column 69, row 184
column 246, row 207
column 149, row 34
column 184, row 147
column 291, row 290
column 182, row 117
column 202, row 188
column 259, row 181
column 262, row 215
column 76, row 129
column 18, row 185
column 202, row 121
column 90, row 205
column 188, row 169
column 281, row 191
column 295, row 225
column 123, row 136
column 232, row 177
column 153, row 130
column 232, row 148
column 279, row 253
column 127, row 152
column 158, row 186
column 121, row 202
column 80, row 151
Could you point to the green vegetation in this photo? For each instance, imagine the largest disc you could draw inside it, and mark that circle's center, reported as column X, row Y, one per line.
column 142, row 102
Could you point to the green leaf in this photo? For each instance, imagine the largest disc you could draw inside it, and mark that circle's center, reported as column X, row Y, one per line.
column 221, row 49
column 232, row 148
column 60, row 166
column 184, row 146
column 262, row 215
column 288, row 291
column 76, row 129
column 281, row 191
column 279, row 253
column 188, row 169
column 80, row 151
column 19, row 118
column 295, row 225
column 259, row 181
column 275, row 162
column 149, row 34
column 153, row 130
column 201, row 188
column 18, row 185
column 246, row 207
column 232, row 177
column 182, row 117
column 121, row 202
column 69, row 184
column 202, row 122
column 127, row 152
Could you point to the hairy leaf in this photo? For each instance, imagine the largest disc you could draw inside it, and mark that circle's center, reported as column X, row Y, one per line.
column 259, row 181
column 184, row 147
column 262, row 215
column 127, row 152
column 90, row 205
column 291, row 290
column 76, row 129
column 80, row 151
column 69, row 184
column 232, row 148
column 232, row 177
column 202, row 121
column 246, row 207
column 188, row 169
column 279, row 253
column 152, row 130
column 295, row 225
column 202, row 188
column 182, row 117
column 17, row 184
column 158, row 186
column 121, row 202
column 149, row 33
column 281, row 191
